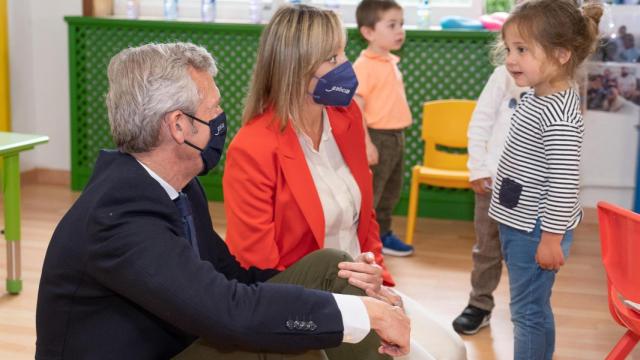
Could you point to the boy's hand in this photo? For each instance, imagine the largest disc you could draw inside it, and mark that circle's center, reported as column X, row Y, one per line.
column 481, row 186
column 372, row 152
column 549, row 255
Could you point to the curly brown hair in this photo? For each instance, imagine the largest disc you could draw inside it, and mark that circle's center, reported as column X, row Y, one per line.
column 557, row 24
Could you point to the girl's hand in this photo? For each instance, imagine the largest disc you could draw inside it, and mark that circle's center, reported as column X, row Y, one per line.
column 549, row 255
column 481, row 186
column 363, row 273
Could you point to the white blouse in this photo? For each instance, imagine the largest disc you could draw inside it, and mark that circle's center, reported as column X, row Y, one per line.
column 338, row 191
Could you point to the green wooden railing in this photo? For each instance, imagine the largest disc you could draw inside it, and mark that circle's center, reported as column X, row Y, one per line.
column 435, row 65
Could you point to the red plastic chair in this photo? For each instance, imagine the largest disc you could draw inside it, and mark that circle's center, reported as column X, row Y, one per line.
column 620, row 240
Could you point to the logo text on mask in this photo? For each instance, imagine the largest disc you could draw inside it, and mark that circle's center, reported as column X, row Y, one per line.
column 212, row 152
column 340, row 89
column 337, row 87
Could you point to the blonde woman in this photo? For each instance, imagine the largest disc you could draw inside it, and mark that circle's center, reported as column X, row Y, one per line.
column 296, row 177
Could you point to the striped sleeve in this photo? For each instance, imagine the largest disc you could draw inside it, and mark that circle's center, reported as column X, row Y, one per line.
column 562, row 145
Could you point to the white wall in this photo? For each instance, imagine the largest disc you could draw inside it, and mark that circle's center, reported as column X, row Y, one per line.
column 39, row 68
column 238, row 10
column 40, row 104
column 39, row 77
column 610, row 155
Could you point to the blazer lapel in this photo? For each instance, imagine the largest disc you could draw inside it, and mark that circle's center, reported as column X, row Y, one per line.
column 298, row 177
column 350, row 142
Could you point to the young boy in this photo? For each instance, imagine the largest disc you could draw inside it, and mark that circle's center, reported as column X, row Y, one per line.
column 385, row 110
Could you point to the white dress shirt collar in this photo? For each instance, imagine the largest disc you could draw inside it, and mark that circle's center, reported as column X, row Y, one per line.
column 173, row 193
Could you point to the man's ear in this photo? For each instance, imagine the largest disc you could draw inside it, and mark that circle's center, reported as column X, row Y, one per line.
column 177, row 125
column 563, row 55
column 367, row 33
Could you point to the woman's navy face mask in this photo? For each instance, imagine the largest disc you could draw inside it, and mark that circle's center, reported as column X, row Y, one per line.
column 337, row 87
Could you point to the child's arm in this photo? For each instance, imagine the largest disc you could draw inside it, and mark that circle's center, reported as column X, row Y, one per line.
column 372, row 151
column 562, row 146
column 481, row 126
column 562, row 143
column 549, row 255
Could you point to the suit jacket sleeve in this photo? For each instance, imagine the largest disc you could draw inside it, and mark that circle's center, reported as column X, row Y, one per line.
column 248, row 183
column 136, row 253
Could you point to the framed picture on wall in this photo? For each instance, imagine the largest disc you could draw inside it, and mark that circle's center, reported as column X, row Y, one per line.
column 622, row 46
column 620, row 31
column 612, row 87
column 622, row 2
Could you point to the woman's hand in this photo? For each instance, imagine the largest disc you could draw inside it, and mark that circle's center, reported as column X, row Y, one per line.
column 363, row 273
column 387, row 295
column 549, row 255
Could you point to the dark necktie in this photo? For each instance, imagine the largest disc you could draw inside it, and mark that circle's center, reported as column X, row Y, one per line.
column 184, row 206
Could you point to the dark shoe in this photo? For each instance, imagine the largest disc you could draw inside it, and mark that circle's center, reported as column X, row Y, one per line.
column 471, row 320
column 391, row 245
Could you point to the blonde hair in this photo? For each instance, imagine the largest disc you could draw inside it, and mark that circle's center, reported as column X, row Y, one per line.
column 555, row 24
column 297, row 40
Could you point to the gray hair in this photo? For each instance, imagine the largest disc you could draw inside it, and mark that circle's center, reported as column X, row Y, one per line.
column 146, row 83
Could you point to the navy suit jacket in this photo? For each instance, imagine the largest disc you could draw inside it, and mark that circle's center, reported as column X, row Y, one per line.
column 120, row 281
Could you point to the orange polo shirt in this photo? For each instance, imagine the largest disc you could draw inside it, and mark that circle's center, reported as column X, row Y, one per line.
column 382, row 88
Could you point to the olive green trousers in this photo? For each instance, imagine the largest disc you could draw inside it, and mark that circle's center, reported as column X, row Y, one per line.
column 318, row 270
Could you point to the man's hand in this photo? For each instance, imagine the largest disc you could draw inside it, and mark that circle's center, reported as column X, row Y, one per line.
column 481, row 186
column 392, row 326
column 549, row 255
column 363, row 273
column 372, row 152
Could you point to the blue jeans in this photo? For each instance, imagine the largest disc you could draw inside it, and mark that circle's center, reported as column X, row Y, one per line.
column 530, row 287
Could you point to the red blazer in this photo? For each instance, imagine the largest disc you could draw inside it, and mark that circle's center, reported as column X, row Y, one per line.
column 274, row 214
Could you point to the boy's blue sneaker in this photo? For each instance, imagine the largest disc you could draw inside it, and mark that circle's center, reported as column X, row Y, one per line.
column 393, row 246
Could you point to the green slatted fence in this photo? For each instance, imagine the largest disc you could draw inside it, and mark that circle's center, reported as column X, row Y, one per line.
column 435, row 64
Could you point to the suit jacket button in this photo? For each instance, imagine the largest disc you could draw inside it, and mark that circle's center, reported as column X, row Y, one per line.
column 290, row 324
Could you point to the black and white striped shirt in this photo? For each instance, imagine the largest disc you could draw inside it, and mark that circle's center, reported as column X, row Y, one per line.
column 539, row 171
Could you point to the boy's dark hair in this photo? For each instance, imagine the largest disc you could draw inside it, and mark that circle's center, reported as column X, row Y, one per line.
column 368, row 11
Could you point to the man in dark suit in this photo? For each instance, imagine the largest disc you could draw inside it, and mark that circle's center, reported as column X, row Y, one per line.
column 134, row 269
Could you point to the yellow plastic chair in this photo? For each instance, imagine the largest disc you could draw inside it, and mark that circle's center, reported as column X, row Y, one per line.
column 444, row 131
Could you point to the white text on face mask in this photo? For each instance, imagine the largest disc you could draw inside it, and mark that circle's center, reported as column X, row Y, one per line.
column 339, row 89
column 219, row 129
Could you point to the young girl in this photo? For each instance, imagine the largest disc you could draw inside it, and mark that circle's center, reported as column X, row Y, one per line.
column 535, row 196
